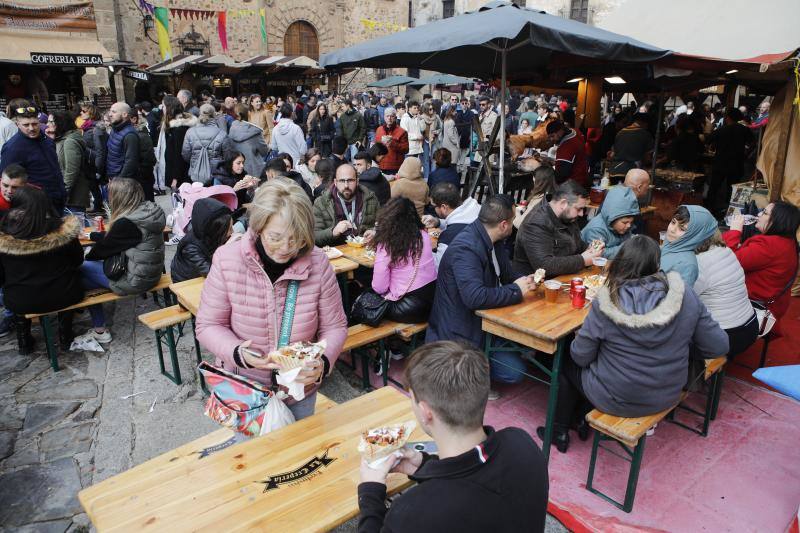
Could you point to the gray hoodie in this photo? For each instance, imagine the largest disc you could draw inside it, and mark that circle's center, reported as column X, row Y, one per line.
column 635, row 355
column 248, row 139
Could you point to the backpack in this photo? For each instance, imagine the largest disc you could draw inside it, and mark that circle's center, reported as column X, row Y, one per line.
column 202, row 172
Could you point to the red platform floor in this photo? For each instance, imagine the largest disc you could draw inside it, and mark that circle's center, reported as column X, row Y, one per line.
column 745, row 476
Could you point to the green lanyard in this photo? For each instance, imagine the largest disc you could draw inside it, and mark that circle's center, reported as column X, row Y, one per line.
column 288, row 313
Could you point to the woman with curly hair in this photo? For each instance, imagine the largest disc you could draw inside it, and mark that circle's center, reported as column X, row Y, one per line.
column 404, row 272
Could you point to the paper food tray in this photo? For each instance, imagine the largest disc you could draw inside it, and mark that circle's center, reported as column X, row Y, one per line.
column 373, row 452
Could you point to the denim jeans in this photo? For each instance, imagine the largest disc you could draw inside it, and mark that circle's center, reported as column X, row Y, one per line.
column 370, row 138
column 352, row 150
column 426, row 160
column 6, row 313
column 506, row 367
column 92, row 277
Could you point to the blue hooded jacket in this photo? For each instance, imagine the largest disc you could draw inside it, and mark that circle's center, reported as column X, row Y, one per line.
column 679, row 255
column 619, row 202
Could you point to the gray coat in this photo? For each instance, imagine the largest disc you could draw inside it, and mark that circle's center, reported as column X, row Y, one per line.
column 146, row 259
column 204, row 136
column 248, row 139
column 635, row 355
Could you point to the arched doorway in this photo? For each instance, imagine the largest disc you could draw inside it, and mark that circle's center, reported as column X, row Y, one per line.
column 301, row 40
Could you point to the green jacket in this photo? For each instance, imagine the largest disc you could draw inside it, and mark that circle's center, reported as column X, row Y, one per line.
column 325, row 217
column 353, row 127
column 70, row 150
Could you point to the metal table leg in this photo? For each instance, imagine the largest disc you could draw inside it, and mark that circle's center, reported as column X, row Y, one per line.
column 552, row 400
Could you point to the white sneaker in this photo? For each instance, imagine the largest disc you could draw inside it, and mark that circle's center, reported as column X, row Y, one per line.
column 494, row 395
column 396, row 355
column 103, row 338
column 173, row 241
column 650, row 432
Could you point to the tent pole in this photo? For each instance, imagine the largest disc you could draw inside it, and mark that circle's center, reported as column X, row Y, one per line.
column 658, row 131
column 502, row 122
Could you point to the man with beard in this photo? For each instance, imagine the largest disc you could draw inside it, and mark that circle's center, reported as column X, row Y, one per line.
column 347, row 208
column 476, row 273
column 122, row 148
column 36, row 153
column 550, row 237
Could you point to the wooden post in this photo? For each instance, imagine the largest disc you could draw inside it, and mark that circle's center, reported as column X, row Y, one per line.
column 590, row 91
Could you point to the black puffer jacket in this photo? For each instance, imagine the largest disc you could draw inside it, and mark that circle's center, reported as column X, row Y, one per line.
column 193, row 258
column 40, row 275
column 374, row 180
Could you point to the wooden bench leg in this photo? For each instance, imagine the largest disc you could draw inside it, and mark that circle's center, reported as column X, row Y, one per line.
column 173, row 354
column 199, row 355
column 717, row 392
column 634, row 458
column 49, row 341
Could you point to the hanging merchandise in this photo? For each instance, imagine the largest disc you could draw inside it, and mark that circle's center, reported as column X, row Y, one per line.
column 263, row 22
column 222, row 30
column 161, row 16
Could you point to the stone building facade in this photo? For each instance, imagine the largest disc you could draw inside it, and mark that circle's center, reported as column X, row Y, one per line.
column 333, row 24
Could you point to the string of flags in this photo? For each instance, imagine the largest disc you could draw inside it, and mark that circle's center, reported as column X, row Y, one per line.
column 162, row 15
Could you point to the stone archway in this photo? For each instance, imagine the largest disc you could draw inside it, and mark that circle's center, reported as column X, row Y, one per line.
column 318, row 16
column 301, row 39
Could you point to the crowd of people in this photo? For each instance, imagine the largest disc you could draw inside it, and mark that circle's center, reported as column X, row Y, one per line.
column 312, row 172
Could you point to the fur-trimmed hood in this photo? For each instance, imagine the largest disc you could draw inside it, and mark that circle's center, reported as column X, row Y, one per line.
column 61, row 236
column 184, row 119
column 645, row 303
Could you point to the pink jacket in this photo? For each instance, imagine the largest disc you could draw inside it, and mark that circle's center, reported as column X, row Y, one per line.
column 391, row 282
column 240, row 303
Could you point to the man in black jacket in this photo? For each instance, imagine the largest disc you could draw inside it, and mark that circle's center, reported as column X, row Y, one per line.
column 372, row 119
column 550, row 237
column 371, row 177
column 481, row 480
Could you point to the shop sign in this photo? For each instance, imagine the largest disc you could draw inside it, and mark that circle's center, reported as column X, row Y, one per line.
column 45, row 58
column 136, row 75
column 65, row 17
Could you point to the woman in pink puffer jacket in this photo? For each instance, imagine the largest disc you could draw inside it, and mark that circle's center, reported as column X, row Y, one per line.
column 244, row 294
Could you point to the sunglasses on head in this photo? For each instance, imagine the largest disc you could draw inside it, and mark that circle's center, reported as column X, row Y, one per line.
column 25, row 110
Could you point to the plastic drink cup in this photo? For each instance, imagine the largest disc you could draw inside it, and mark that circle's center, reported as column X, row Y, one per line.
column 551, row 290
column 662, row 237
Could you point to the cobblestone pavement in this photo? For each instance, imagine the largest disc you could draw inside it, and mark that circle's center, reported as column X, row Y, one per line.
column 63, row 431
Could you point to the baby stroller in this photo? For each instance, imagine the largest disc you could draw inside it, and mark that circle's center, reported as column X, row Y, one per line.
column 183, row 202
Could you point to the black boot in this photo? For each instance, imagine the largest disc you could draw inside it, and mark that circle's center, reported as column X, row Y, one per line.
column 65, row 334
column 24, row 337
column 560, row 438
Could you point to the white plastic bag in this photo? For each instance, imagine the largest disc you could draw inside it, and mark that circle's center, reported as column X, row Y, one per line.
column 277, row 414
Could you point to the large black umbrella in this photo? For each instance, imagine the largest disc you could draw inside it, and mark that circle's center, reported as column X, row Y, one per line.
column 500, row 39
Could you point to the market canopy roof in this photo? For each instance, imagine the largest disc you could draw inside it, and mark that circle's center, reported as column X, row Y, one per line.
column 393, row 81
column 17, row 45
column 180, row 62
column 443, row 79
column 472, row 44
column 277, row 63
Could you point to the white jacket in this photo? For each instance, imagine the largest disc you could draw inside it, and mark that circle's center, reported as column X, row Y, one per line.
column 288, row 137
column 414, row 127
column 466, row 213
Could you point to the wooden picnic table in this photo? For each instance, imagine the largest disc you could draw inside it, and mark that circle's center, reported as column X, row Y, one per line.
column 303, row 477
column 188, row 292
column 646, row 210
column 536, row 324
column 359, row 253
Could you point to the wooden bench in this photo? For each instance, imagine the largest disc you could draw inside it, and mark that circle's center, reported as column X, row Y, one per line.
column 163, row 323
column 362, row 336
column 631, row 433
column 92, row 297
column 410, row 332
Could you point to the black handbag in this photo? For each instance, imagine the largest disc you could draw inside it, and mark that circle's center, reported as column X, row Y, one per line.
column 116, row 266
column 370, row 307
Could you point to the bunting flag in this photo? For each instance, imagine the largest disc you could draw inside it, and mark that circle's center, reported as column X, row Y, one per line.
column 263, row 23
column 222, row 30
column 161, row 16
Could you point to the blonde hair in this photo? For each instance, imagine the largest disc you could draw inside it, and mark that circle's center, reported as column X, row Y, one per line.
column 285, row 197
column 124, row 196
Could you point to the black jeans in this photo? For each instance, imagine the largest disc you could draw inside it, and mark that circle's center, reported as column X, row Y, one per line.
column 742, row 337
column 572, row 402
